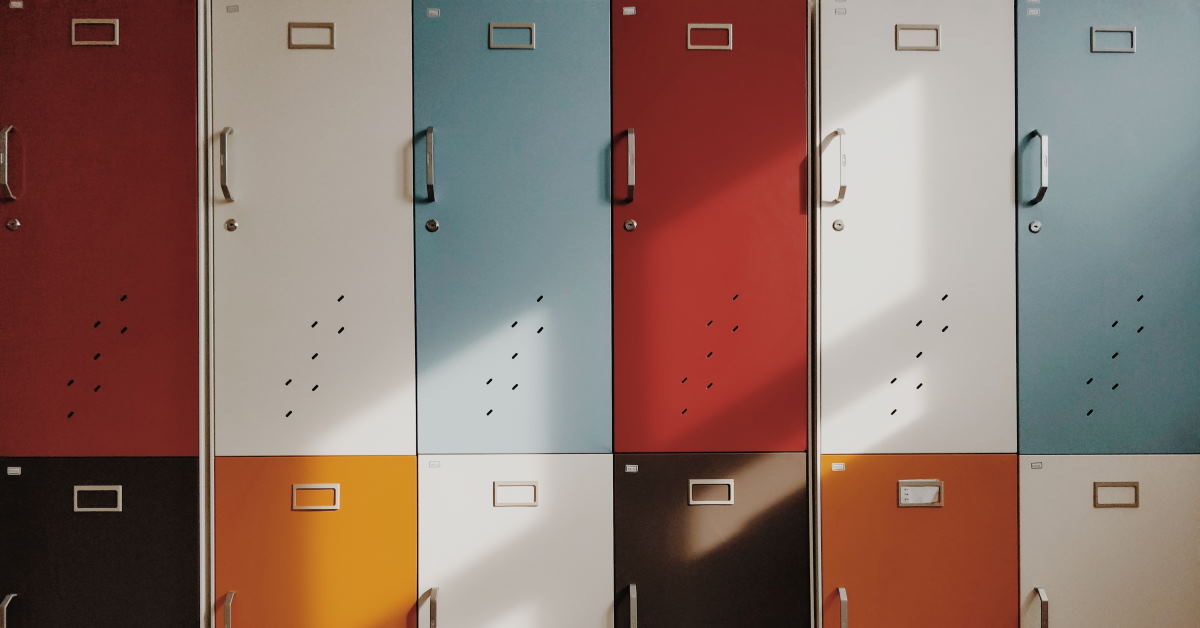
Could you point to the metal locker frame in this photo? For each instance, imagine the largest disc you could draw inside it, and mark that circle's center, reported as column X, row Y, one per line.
column 917, row 284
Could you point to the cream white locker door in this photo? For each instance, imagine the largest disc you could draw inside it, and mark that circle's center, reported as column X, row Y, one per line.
column 516, row 541
column 1110, row 540
column 917, row 280
column 312, row 227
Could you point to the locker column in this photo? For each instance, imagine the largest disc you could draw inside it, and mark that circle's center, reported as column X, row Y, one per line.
column 917, row 314
column 1109, row 335
column 313, row 337
column 710, row 266
column 514, row 316
column 99, row 366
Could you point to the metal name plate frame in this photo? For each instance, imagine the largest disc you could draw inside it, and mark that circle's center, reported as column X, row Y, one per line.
column 91, row 488
column 530, row 26
column 498, row 502
column 1132, row 30
column 1137, row 494
column 728, row 28
column 937, row 34
column 292, row 26
column 337, row 496
column 116, row 38
column 903, row 484
column 692, row 501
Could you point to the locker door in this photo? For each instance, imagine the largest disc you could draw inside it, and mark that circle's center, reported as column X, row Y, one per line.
column 98, row 322
column 316, row 542
column 917, row 279
column 710, row 238
column 513, row 253
column 512, row 541
column 919, row 541
column 100, row 541
column 711, row 540
column 312, row 261
column 1110, row 540
column 1110, row 333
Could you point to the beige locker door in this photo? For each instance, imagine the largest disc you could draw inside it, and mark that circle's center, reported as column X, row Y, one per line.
column 1113, row 541
column 313, row 290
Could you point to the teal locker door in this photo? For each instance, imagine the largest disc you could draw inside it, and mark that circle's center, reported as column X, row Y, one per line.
column 510, row 156
column 1109, row 270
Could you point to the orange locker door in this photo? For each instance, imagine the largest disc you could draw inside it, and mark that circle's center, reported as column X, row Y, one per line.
column 316, row 542
column 920, row 540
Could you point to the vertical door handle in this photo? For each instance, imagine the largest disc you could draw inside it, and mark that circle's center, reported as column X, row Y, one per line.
column 1044, row 142
column 225, row 133
column 633, row 606
column 840, row 134
column 228, row 609
column 429, row 190
column 1044, row 602
column 4, row 604
column 631, row 161
column 430, row 594
column 844, row 607
column 6, row 193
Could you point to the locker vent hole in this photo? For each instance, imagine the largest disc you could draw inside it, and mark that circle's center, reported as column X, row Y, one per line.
column 123, row 297
column 710, row 385
column 1114, row 356
column 945, row 296
column 735, row 297
column 488, row 382
column 1114, row 386
column 540, row 329
column 920, row 385
column 919, row 323
column 97, row 388
column 683, row 381
column 945, row 328
column 95, row 324
column 514, row 324
column 540, row 297
column 894, row 380
column 1091, row 379
column 893, row 410
column 1140, row 297
column 920, row 353
column 96, row 357
column 1089, row 412
column 514, row 356
column 709, row 324
column 735, row 327
column 684, row 411
column 124, row 329
column 341, row 297
column 288, row 383
column 314, row 356
column 314, row 324
column 287, row 414
column 341, row 329
column 1139, row 329
column 515, row 386
column 70, row 382
column 710, row 354
column 315, row 387
column 70, row 414
column 489, row 413
column 1115, row 323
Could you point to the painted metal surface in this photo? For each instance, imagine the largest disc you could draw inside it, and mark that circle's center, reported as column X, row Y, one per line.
column 1110, row 566
column 517, row 541
column 513, row 288
column 1109, row 299
column 917, row 276
column 73, row 559
column 98, row 320
column 312, row 564
column 710, row 288
column 910, row 567
column 711, row 563
column 313, row 294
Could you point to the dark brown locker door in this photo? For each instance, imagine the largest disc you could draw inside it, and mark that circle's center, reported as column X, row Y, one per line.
column 100, row 542
column 711, row 539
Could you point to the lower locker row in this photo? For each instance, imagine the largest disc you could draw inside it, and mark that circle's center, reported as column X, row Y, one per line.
column 585, row 540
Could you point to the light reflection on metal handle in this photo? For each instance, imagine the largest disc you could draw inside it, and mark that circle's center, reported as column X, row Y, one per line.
column 631, row 154
column 4, row 607
column 6, row 193
column 1044, row 600
column 844, row 602
column 429, row 193
column 228, row 609
column 430, row 594
column 633, row 606
column 1044, row 141
column 225, row 133
column 840, row 134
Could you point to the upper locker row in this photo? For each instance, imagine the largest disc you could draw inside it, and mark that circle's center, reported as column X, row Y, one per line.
column 584, row 273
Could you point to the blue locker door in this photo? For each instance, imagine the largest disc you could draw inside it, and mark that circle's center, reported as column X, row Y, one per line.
column 512, row 240
column 1109, row 269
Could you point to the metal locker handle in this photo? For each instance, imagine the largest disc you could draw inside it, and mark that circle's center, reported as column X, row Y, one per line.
column 840, row 134
column 844, row 604
column 430, row 594
column 1044, row 141
column 429, row 192
column 225, row 133
column 6, row 193
column 1044, row 600
column 632, row 606
column 4, row 609
column 631, row 156
column 228, row 609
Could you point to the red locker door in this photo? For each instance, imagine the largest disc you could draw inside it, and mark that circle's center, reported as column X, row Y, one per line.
column 98, row 322
column 710, row 229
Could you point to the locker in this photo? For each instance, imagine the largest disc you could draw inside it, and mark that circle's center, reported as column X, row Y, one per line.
column 513, row 253
column 516, row 541
column 916, row 541
column 711, row 539
column 710, row 226
column 1110, row 541
column 917, row 275
column 318, row 541
column 98, row 198
column 1109, row 334
column 312, row 240
column 100, row 542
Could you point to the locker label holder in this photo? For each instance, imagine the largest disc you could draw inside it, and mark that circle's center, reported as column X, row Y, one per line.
column 337, row 496
column 503, row 26
column 310, row 36
column 115, row 40
column 915, row 37
column 693, row 501
column 1097, row 34
column 518, row 494
column 116, row 489
column 1116, row 494
column 728, row 28
column 920, row 494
